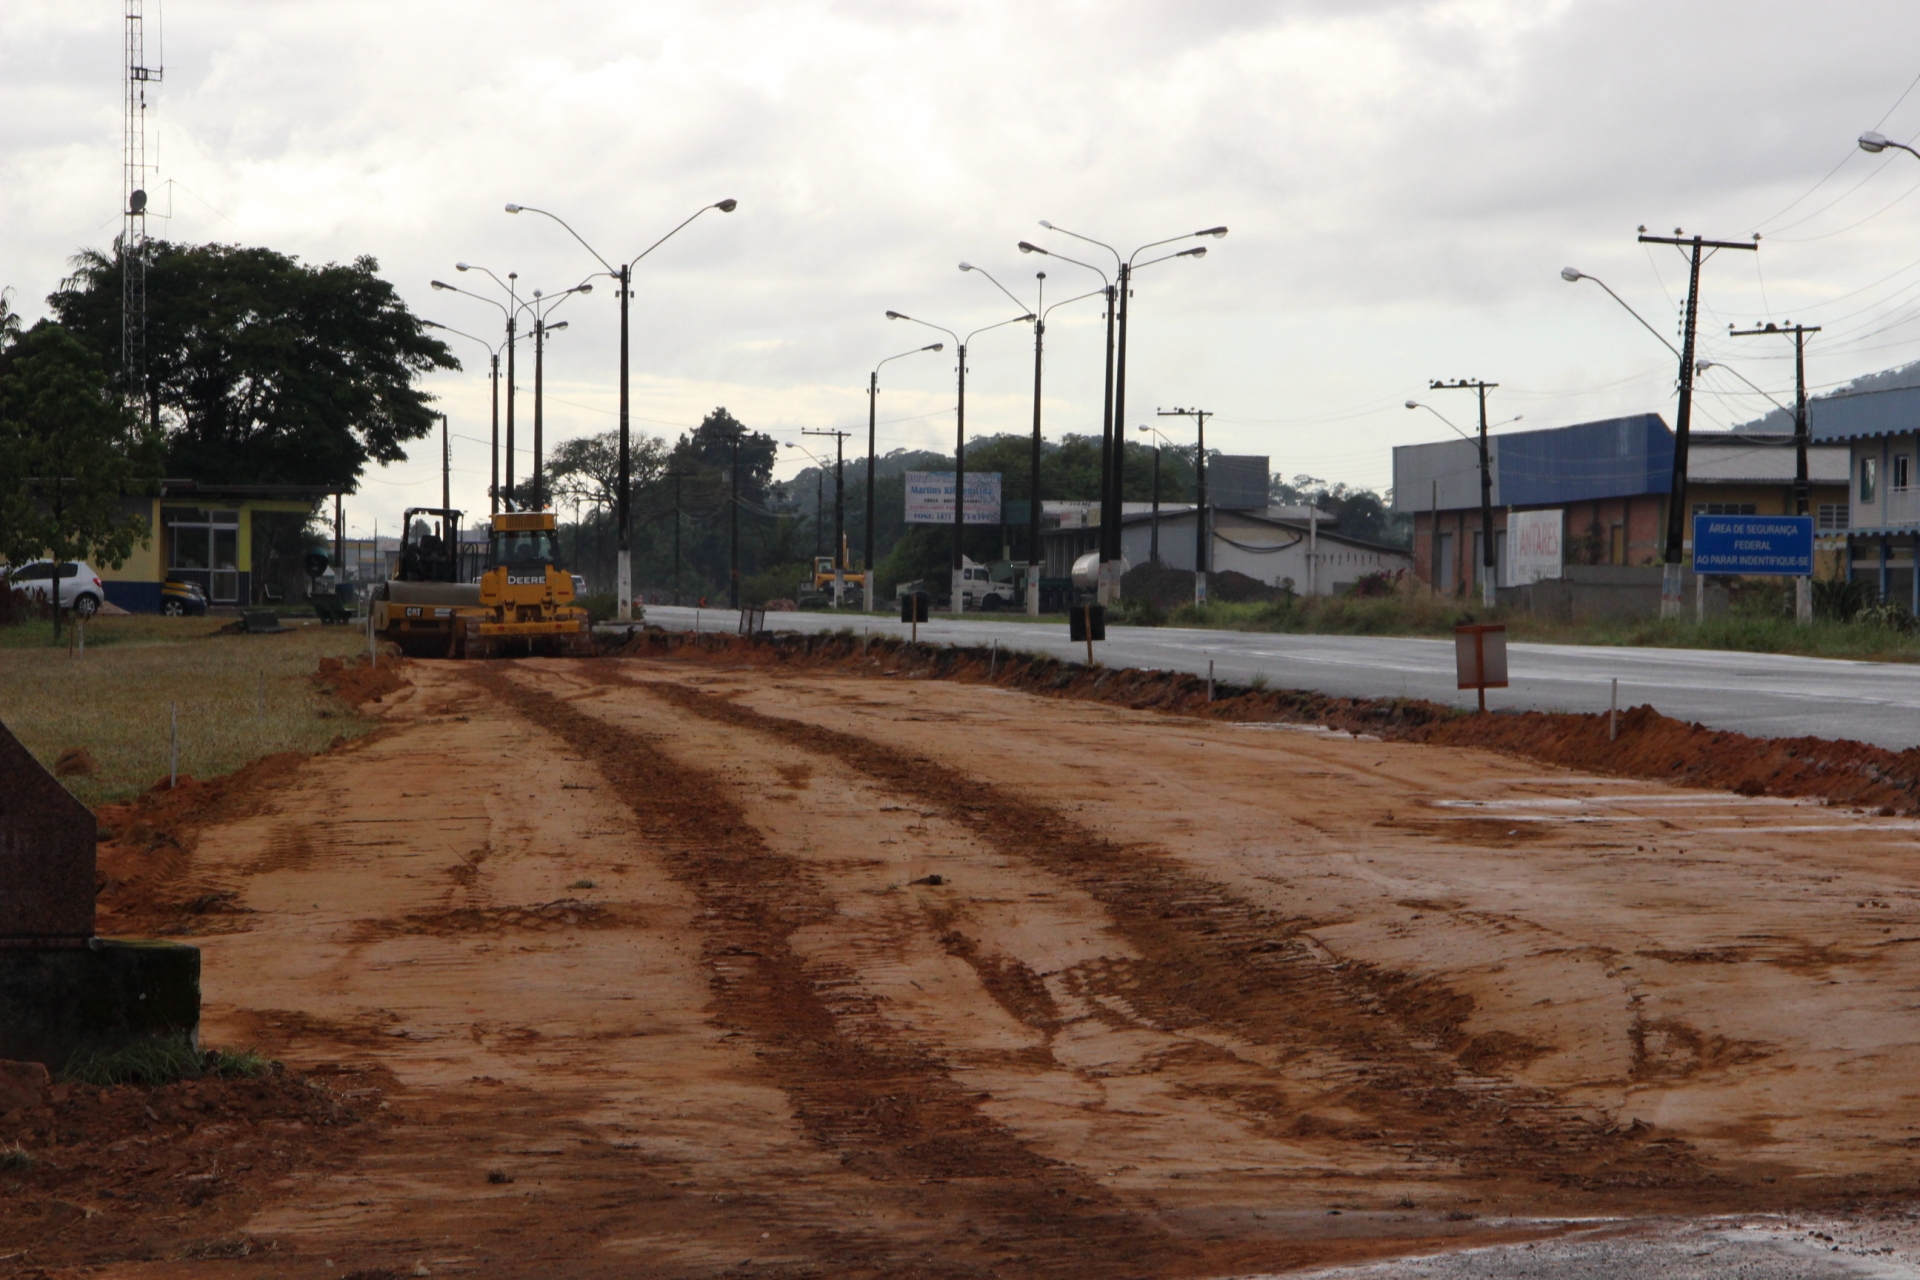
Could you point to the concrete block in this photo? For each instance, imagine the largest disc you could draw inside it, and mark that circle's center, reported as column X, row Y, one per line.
column 59, row 1001
column 46, row 853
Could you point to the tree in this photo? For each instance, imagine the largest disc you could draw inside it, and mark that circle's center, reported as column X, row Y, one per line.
column 73, row 452
column 1361, row 513
column 709, row 447
column 586, row 469
column 260, row 369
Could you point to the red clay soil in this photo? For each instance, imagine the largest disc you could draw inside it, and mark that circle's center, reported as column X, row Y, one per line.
column 355, row 683
column 132, row 1172
column 1650, row 745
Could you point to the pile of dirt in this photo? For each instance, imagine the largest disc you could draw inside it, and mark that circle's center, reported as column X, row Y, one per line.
column 355, row 682
column 1649, row 745
column 1165, row 587
column 171, row 1170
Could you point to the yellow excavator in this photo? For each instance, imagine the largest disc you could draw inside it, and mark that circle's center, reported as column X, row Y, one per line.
column 521, row 603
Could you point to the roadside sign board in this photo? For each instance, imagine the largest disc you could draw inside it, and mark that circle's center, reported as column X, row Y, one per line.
column 1781, row 546
column 1480, row 657
column 930, row 497
column 1533, row 545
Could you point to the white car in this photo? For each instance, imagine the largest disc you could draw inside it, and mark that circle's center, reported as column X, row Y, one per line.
column 80, row 588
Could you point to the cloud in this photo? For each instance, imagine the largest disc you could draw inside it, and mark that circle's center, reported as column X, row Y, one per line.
column 1403, row 181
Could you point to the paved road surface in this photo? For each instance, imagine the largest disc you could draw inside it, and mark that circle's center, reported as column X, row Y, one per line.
column 1765, row 694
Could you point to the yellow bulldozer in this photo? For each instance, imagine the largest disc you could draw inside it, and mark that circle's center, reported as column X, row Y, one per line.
column 520, row 602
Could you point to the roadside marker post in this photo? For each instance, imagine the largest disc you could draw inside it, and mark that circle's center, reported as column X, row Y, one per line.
column 1087, row 622
column 914, row 607
column 993, row 659
column 1209, row 679
column 1613, row 711
column 1480, row 657
column 173, row 745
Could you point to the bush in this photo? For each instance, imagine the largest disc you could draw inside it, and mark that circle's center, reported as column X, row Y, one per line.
column 1138, row 613
column 1839, row 599
column 15, row 1158
column 1893, row 617
column 599, row 606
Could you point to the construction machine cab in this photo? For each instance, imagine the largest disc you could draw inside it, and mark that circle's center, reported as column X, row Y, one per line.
column 430, row 552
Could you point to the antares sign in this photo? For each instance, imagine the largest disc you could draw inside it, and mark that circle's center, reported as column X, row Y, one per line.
column 1533, row 546
column 1777, row 545
column 930, row 497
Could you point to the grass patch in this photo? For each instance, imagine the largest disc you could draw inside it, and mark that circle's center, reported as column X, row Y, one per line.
column 15, row 1158
column 114, row 702
column 138, row 628
column 163, row 1060
column 1751, row 631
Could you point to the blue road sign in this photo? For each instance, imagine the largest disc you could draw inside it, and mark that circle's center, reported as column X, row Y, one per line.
column 1779, row 545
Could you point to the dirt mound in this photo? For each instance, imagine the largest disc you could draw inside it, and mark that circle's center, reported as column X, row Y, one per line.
column 1650, row 745
column 74, row 762
column 1166, row 587
column 356, row 683
column 153, row 1172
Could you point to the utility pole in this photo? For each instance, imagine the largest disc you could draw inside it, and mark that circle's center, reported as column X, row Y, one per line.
column 733, row 512
column 839, row 510
column 507, row 495
column 1202, row 524
column 1110, row 531
column 1670, row 601
column 446, row 465
column 1489, row 561
column 1802, row 486
column 339, row 538
column 1153, row 548
column 493, row 485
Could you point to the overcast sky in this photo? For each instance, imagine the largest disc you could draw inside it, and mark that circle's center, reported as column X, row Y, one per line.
column 1403, row 182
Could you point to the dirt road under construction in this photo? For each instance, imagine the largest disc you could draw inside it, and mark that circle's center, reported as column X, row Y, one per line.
column 679, row 966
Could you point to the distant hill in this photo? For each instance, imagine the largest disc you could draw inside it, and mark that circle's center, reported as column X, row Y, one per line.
column 1779, row 420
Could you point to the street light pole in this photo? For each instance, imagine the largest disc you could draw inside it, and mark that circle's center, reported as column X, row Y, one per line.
column 493, row 357
column 1113, row 463
column 623, row 607
column 960, row 446
column 1153, row 544
column 1489, row 561
column 839, row 510
column 873, row 398
column 1202, row 526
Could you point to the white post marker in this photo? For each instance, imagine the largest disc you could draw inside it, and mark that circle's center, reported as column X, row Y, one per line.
column 993, row 659
column 1803, row 601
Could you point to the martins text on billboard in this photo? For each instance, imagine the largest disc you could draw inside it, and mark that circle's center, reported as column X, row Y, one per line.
column 930, row 497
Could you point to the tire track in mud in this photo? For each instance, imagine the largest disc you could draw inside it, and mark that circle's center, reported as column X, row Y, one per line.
column 858, row 1086
column 1211, row 958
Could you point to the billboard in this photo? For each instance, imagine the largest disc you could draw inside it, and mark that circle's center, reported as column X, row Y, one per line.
column 1778, row 545
column 1533, row 546
column 1237, row 482
column 930, row 497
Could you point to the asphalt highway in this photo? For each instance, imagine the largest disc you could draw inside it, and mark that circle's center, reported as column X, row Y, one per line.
column 1771, row 695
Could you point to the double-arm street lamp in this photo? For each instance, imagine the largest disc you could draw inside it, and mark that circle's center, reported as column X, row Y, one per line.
column 1114, row 440
column 539, row 305
column 960, row 448
column 1041, row 311
column 493, row 354
column 623, row 274
column 873, row 398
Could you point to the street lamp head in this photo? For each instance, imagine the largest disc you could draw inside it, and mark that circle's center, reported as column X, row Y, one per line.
column 1413, row 404
column 1197, row 252
column 1029, row 316
column 514, row 208
column 429, row 324
column 536, row 293
column 728, row 205
column 583, row 287
column 1025, row 247
column 895, row 315
column 1571, row 274
column 1873, row 142
column 1046, row 224
column 938, row 346
column 1218, row 233
column 966, row 266
column 555, row 328
column 441, row 284
column 461, row 266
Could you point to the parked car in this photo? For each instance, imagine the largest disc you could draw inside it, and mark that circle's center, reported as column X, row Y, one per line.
column 180, row 599
column 80, row 589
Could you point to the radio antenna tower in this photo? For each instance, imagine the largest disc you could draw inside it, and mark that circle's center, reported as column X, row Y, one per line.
column 133, row 229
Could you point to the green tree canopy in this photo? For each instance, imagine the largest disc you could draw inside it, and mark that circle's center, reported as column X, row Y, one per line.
column 261, row 369
column 72, row 452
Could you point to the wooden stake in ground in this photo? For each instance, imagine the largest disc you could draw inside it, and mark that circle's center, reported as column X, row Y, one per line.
column 173, row 745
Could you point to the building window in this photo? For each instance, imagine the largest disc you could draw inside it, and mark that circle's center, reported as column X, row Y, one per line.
column 1869, row 475
column 206, row 541
column 1901, row 472
column 1831, row 518
column 1725, row 509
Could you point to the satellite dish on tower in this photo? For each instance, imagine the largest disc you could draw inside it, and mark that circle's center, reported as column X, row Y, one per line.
column 137, row 202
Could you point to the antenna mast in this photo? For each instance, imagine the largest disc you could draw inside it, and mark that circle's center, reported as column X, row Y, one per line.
column 133, row 228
